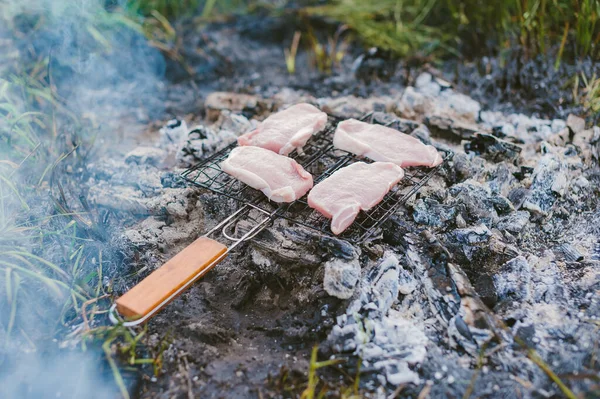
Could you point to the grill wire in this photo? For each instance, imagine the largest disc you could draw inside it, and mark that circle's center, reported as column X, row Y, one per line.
column 320, row 159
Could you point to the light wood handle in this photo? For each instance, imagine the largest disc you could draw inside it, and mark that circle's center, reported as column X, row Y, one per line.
column 151, row 292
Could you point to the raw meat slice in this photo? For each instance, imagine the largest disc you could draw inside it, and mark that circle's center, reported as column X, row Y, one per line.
column 381, row 143
column 280, row 178
column 286, row 130
column 349, row 190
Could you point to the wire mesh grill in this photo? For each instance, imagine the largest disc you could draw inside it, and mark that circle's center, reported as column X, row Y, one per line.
column 320, row 159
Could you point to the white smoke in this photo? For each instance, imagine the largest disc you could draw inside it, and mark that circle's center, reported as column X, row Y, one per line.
column 102, row 70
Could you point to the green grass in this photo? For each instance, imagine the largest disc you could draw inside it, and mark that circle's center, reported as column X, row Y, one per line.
column 470, row 27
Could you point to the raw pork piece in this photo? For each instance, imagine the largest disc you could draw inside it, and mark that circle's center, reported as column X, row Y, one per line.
column 286, row 130
column 349, row 190
column 280, row 178
column 385, row 144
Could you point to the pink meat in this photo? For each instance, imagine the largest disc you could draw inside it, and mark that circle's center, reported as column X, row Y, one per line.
column 280, row 178
column 286, row 130
column 381, row 143
column 349, row 190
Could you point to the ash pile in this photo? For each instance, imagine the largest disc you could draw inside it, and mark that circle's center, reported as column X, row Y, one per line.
column 487, row 279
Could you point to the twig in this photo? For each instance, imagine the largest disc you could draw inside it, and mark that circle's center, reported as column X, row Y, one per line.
column 395, row 394
column 424, row 392
column 84, row 310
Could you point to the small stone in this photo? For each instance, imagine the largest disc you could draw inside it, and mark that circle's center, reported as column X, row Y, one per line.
column 450, row 379
column 438, row 375
column 493, row 148
column 575, row 123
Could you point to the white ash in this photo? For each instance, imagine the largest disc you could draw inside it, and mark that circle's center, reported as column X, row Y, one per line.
column 549, row 182
column 173, row 133
column 385, row 340
column 146, row 155
column 429, row 98
column 341, row 277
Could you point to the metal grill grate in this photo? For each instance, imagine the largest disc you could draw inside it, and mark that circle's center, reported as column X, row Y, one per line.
column 320, row 159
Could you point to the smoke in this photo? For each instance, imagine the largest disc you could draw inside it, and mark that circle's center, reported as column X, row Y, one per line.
column 87, row 66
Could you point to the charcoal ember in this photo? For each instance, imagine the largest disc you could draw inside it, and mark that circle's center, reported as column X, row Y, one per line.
column 146, row 155
column 524, row 172
column 384, row 118
column 202, row 141
column 375, row 64
column 447, row 127
column 452, row 299
column 517, row 196
column 287, row 244
column 501, row 179
column 482, row 326
column 466, row 167
column 299, row 245
column 339, row 248
column 501, row 204
column 387, row 343
column 341, row 277
column 513, row 279
column 476, row 202
column 172, row 179
column 429, row 260
column 430, row 212
column 492, row 148
column 549, row 182
column 395, row 230
column 422, row 133
column 484, row 285
column 568, row 252
column 514, row 222
column 472, row 235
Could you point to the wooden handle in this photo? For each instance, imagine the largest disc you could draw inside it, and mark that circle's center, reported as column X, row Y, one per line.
column 163, row 282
